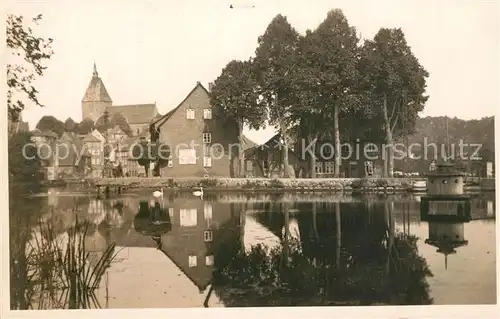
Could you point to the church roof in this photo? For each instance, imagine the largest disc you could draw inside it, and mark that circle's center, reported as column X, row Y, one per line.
column 96, row 91
column 135, row 113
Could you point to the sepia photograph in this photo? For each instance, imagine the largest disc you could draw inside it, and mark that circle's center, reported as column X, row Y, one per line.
column 326, row 155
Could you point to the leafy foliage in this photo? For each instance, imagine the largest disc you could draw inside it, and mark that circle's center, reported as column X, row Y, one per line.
column 114, row 120
column 235, row 95
column 86, row 126
column 274, row 63
column 23, row 168
column 70, row 125
column 391, row 69
column 28, row 54
column 50, row 123
column 325, row 77
column 147, row 153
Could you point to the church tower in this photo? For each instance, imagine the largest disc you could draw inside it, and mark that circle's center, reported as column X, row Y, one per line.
column 96, row 98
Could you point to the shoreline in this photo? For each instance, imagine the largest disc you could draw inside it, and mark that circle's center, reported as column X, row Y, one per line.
column 277, row 185
column 258, row 185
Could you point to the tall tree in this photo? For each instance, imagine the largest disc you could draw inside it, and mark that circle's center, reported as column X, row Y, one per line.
column 335, row 54
column 325, row 80
column 235, row 97
column 85, row 126
column 25, row 64
column 50, row 123
column 70, row 125
column 274, row 62
column 395, row 81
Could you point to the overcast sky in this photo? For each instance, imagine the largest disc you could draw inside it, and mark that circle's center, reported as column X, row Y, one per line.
column 155, row 51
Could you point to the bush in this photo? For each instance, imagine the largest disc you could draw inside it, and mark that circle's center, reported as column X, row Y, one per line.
column 276, row 184
column 208, row 182
column 21, row 168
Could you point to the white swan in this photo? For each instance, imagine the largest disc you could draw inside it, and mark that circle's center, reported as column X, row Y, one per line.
column 158, row 193
column 199, row 193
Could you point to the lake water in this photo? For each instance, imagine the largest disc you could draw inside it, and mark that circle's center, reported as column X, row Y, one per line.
column 257, row 250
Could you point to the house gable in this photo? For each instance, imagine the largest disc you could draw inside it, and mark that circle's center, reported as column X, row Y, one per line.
column 99, row 135
column 182, row 132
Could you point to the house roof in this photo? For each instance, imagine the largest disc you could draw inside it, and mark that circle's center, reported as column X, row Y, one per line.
column 116, row 130
column 201, row 279
column 135, row 113
column 70, row 139
column 96, row 91
column 273, row 144
column 248, row 143
column 98, row 134
column 160, row 121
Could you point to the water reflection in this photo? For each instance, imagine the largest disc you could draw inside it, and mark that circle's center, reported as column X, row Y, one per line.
column 341, row 255
column 238, row 250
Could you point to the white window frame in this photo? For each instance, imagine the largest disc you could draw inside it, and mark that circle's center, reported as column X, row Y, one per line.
column 208, row 236
column 187, row 156
column 369, row 168
column 319, row 168
column 207, row 138
column 207, row 114
column 190, row 114
column 207, row 161
column 329, row 167
column 188, row 217
column 209, row 260
column 192, row 261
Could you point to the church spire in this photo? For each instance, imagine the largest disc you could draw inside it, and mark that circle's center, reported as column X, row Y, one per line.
column 95, row 74
column 96, row 91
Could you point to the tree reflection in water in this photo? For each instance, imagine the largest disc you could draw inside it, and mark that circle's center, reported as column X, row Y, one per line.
column 359, row 261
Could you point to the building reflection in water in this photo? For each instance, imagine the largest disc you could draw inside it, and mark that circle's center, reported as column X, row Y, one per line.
column 337, row 251
column 192, row 233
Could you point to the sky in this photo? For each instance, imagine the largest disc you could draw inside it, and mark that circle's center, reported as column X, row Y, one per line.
column 156, row 51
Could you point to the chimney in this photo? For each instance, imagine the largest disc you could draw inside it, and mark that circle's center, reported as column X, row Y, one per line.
column 210, row 86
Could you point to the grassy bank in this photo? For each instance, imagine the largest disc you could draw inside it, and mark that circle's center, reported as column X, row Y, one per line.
column 263, row 184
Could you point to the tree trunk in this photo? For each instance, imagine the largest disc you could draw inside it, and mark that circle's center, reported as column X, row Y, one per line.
column 241, row 150
column 285, row 152
column 337, row 140
column 146, row 169
column 312, row 160
column 390, row 149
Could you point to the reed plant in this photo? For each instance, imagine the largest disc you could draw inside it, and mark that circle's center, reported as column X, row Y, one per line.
column 60, row 271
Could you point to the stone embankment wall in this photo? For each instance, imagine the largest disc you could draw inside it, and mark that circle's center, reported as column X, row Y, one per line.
column 264, row 184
